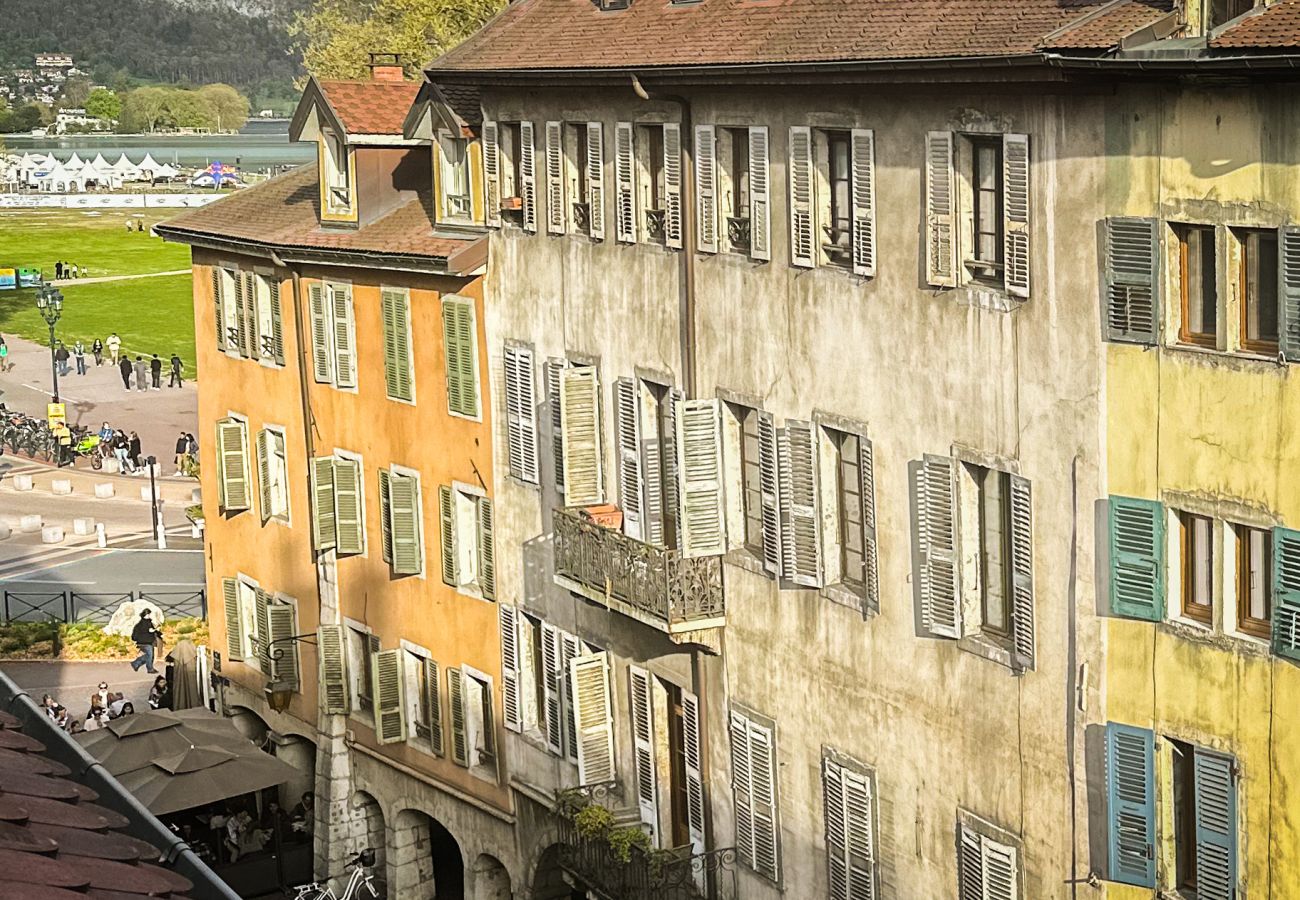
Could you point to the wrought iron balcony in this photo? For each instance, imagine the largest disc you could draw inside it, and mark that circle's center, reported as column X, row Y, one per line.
column 653, row 584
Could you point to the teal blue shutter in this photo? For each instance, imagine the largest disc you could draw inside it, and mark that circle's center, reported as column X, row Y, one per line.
column 1288, row 241
column 1131, row 804
column 1137, row 558
column 1132, row 280
column 1286, row 593
column 1216, row 827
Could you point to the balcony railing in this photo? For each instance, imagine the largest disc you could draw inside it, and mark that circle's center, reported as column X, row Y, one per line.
column 653, row 584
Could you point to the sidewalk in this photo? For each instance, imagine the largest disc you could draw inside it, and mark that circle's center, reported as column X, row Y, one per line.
column 103, row 278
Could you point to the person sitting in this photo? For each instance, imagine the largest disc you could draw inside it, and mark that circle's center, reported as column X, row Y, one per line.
column 157, row 691
column 97, row 718
column 120, row 706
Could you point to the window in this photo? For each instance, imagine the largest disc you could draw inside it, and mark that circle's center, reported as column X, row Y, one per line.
column 232, row 465
column 400, row 515
column 685, row 749
column 1197, row 285
column 993, row 496
column 468, row 557
column 398, row 370
column 659, row 413
column 855, row 506
column 988, row 866
column 1221, row 11
column 424, row 701
column 751, row 478
column 247, row 314
column 1258, row 290
column 754, row 789
column 985, row 179
column 838, row 176
column 577, row 157
column 334, row 358
column 849, row 795
column 454, row 177
column 338, row 508
column 646, row 431
column 653, row 187
column 1196, row 556
column 521, row 412
column 473, row 740
column 511, row 156
column 742, row 190
column 510, row 174
column 273, row 474
column 362, row 646
column 338, row 190
column 1254, row 580
column 254, row 619
column 1203, row 806
column 460, row 346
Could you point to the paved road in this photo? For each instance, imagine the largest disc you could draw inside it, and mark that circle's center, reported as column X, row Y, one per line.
column 72, row 683
column 170, row 577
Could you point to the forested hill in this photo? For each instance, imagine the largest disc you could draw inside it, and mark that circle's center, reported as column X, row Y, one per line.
column 157, row 40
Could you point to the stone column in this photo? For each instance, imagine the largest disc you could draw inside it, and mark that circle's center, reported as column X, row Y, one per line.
column 336, row 829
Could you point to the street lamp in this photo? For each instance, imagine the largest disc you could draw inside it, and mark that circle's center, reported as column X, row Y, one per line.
column 49, row 300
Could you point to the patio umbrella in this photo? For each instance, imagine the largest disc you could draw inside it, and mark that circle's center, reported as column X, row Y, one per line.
column 134, row 742
column 184, row 676
column 202, row 775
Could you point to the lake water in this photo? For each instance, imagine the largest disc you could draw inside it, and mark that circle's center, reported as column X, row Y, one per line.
column 251, row 152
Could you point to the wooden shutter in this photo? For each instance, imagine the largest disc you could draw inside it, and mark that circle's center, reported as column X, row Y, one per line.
column 760, row 205
column 800, row 531
column 769, row 478
column 252, row 337
column 321, row 353
column 233, row 470
column 555, row 216
column 1022, row 573
column 624, row 183
column 554, row 370
column 487, row 566
column 693, row 754
column 1286, row 593
column 491, row 176
column 264, row 473
column 385, row 518
column 1137, row 558
column 870, row 546
column 940, row 211
column 345, row 356
column 521, row 413
column 595, row 180
column 277, row 320
column 970, row 865
column 673, row 185
column 349, row 534
column 631, row 478
column 234, row 622
column 404, row 521
column 863, row 161
column 390, row 696
column 1216, row 826
column 240, row 330
column 507, row 619
column 459, row 333
column 397, row 347
column 283, row 623
column 447, row 533
column 742, row 788
column 1288, row 280
column 433, row 704
column 551, row 689
column 701, row 513
column 219, row 307
column 324, row 524
column 262, row 620
column 580, row 418
column 1001, row 870
column 706, row 188
column 459, row 735
column 331, row 652
column 850, row 832
column 570, row 649
column 528, row 175
column 753, row 772
column 1015, row 214
column 1132, row 280
column 643, row 746
column 936, row 506
column 589, row 676
column 473, row 695
column 802, row 224
column 1131, row 804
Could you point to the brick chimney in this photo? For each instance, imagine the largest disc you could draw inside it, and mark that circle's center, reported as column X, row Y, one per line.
column 386, row 67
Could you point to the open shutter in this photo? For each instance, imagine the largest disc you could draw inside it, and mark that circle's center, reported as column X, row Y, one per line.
column 624, row 183
column 801, row 547
column 252, row 331
column 670, row 476
column 673, row 185
column 404, row 516
column 507, row 619
column 1022, row 573
column 473, row 695
column 262, row 618
column 1001, row 871
column 277, row 320
column 324, row 524
column 742, row 788
column 1216, row 827
column 397, row 349
column 389, row 699
column 762, row 758
column 554, row 370
column 970, row 862
column 459, row 333
column 239, row 328
column 596, row 180
column 233, row 471
column 1131, row 804
column 234, row 622
column 459, row 732
column 643, row 746
column 283, row 622
column 491, row 176
column 936, row 504
column 321, row 353
column 589, row 676
column 555, row 216
column 487, row 566
column 801, row 197
column 850, row 832
column 580, row 424
column 870, row 546
column 335, row 694
column 1132, row 280
column 706, row 188
column 433, row 704
column 769, row 479
column 940, row 224
column 1137, row 558
column 528, row 175
column 1015, row 214
column 631, row 480
column 219, row 308
column 864, row 201
column 521, row 414
column 447, row 534
column 1288, row 280
column 570, row 649
column 385, row 516
column 345, row 357
column 702, row 514
column 1286, row 593
column 760, row 204
column 348, row 533
column 264, row 473
column 551, row 689
column 693, row 753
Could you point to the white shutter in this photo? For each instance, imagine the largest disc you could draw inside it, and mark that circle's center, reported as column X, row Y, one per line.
column 521, row 413
column 570, row 648
column 753, row 764
column 345, row 357
column 624, row 183
column 324, row 504
column 701, row 513
column 801, row 542
column 1022, row 572
column 580, row 418
column 742, row 788
column 331, row 652
column 673, row 185
column 936, row 508
column 589, row 676
column 802, row 223
column 487, row 554
column 863, row 161
column 551, row 689
column 1000, row 870
column 1015, row 212
column 769, row 477
column 528, row 175
column 870, row 545
column 554, row 370
column 510, row 699
column 643, row 746
column 940, row 211
column 390, row 696
column 693, row 752
column 631, row 480
column 263, row 472
column 760, row 204
column 491, row 176
column 555, row 212
column 970, row 866
column 595, row 163
column 850, row 832
column 706, row 188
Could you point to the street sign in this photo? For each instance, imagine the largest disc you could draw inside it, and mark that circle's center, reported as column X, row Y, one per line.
column 56, row 414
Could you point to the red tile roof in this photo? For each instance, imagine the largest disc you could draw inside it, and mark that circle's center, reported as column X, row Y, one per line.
column 1274, row 26
column 1106, row 29
column 370, row 107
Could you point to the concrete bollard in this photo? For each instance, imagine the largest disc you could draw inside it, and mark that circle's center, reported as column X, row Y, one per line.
column 196, row 496
column 146, row 495
column 111, row 466
column 104, row 490
column 5, row 530
column 22, row 482
column 196, row 530
column 101, row 537
column 52, row 534
column 83, row 526
column 61, row 486
column 29, row 524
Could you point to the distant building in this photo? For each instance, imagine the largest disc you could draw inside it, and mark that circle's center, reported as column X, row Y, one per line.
column 53, row 61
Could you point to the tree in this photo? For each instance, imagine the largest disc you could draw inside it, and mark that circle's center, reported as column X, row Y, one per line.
column 189, row 109
column 75, row 92
column 104, row 105
column 143, row 108
column 229, row 106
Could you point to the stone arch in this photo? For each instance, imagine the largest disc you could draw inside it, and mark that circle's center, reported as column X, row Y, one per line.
column 490, row 879
column 250, row 724
column 367, row 831
column 426, row 858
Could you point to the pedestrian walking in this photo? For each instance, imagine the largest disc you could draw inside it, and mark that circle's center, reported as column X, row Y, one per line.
column 177, row 365
column 182, row 451
column 114, row 343
column 58, row 271
column 125, row 368
column 133, row 450
column 61, row 357
column 141, row 374
column 74, row 270
column 79, row 353
column 193, row 446
column 5, row 364
column 155, row 370
column 143, row 636
column 97, row 348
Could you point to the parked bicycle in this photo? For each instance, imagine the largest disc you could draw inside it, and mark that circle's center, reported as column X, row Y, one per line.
column 360, row 879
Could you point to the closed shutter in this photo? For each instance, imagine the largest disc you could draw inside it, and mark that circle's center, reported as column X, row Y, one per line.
column 277, row 320
column 240, row 326
column 580, row 424
column 390, row 696
column 459, row 333
column 404, row 516
column 1015, row 214
column 521, row 414
column 385, row 518
column 936, row 506
column 233, row 469
column 801, row 540
column 1288, row 242
column 1132, row 280
column 850, row 832
column 397, row 346
column 589, row 676
column 643, row 746
column 693, row 757
column 349, row 535
column 624, row 183
column 252, row 339
column 870, row 546
column 1137, row 558
column 701, row 514
column 1286, row 593
column 345, row 356
column 596, row 180
column 801, row 197
column 742, row 788
column 262, row 625
column 283, row 622
column 219, row 308
column 551, row 689
column 555, row 216
column 335, row 692
column 459, row 735
column 554, row 372
column 1216, row 827
column 631, row 480
column 447, row 534
column 940, row 225
column 1001, row 871
column 706, row 188
column 753, row 763
column 769, row 477
column 487, row 566
column 234, row 622
column 1022, row 573
column 321, row 353
column 864, row 201
column 507, row 619
column 324, row 524
column 528, row 175
column 760, row 204
column 491, row 176
column 264, row 472
column 673, row 185
column 1131, row 804
column 433, row 704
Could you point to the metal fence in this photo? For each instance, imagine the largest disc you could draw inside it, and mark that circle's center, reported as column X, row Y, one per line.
column 74, row 606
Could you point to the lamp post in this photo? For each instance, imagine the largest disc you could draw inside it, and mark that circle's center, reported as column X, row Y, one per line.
column 159, row 532
column 49, row 300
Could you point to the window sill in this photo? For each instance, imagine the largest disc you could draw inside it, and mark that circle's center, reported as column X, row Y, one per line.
column 456, row 415
column 843, row 595
column 986, row 296
column 744, row 558
column 994, row 649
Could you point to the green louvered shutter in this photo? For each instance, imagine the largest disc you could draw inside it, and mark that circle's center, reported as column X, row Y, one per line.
column 1132, row 280
column 385, row 518
column 345, row 352
column 458, row 340
column 456, row 694
column 404, row 522
column 283, row 621
column 1286, row 593
column 324, row 530
column 234, row 624
column 335, row 692
column 241, row 322
column 277, row 321
column 390, row 696
column 262, row 616
column 264, row 472
column 433, row 705
column 252, row 339
column 447, row 533
column 322, row 352
column 487, row 566
column 348, row 534
column 1216, row 826
column 1131, row 804
column 219, row 307
column 397, row 350
column 232, row 472
column 1137, row 558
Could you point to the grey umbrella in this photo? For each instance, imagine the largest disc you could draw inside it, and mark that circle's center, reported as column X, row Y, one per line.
column 201, row 775
column 133, row 742
column 184, row 683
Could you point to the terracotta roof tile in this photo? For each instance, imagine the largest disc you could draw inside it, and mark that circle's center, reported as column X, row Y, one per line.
column 1274, row 26
column 1108, row 28
column 370, row 107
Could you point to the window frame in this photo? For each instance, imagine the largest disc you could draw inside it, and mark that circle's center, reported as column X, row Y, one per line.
column 445, row 170
column 337, row 156
column 360, row 668
column 1245, row 238
column 977, row 270
column 1246, row 623
column 284, row 517
column 1183, row 260
column 1188, row 607
column 651, row 193
column 574, row 150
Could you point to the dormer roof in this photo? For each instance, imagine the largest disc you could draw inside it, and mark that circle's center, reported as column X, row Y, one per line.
column 456, row 108
column 361, row 112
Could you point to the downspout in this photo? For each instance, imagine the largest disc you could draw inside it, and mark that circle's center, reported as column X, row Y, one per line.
column 308, row 422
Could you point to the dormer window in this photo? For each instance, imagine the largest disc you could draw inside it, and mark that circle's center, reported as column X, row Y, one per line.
column 453, row 176
column 338, row 188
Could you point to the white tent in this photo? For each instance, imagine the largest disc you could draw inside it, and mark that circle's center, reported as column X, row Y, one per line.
column 100, row 163
column 149, row 166
column 75, row 162
column 49, row 162
column 60, row 180
column 125, row 169
column 166, row 171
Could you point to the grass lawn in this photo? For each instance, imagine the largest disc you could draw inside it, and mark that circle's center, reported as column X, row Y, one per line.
column 96, row 241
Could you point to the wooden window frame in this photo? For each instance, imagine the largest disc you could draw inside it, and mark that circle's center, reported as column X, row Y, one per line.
column 1247, row 624
column 1197, row 612
column 1243, row 236
column 986, row 271
column 1002, row 631
column 1209, row 340
column 751, row 512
